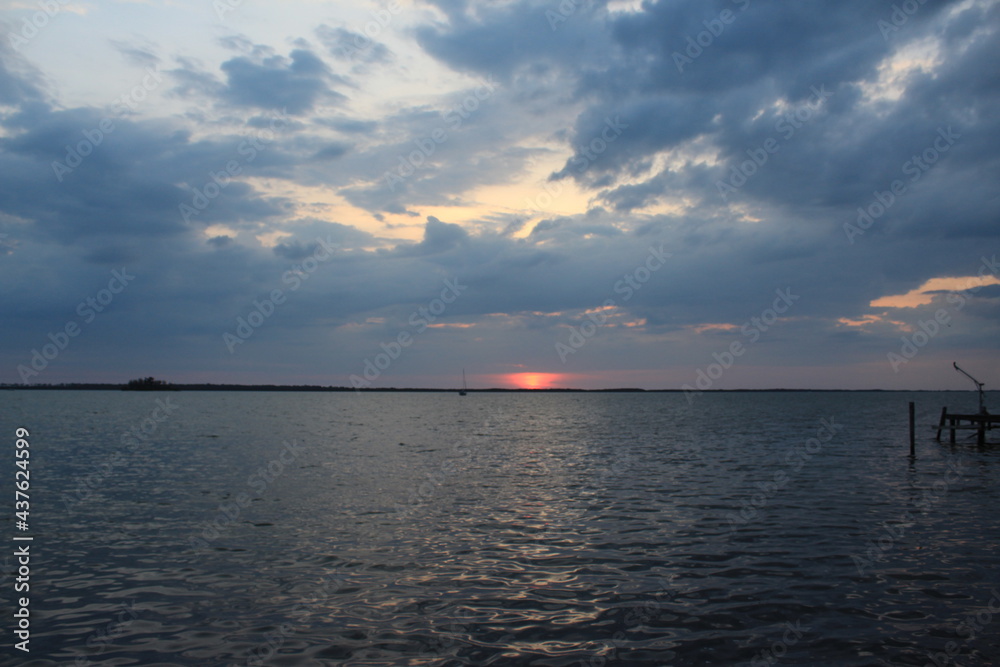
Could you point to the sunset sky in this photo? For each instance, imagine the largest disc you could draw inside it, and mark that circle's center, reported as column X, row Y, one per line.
column 727, row 194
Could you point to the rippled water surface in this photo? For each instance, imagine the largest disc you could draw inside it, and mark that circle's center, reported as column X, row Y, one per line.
column 505, row 529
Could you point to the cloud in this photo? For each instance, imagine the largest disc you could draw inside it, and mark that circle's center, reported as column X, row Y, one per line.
column 331, row 151
column 297, row 83
column 518, row 37
column 17, row 78
column 440, row 237
column 348, row 46
column 136, row 55
column 638, row 140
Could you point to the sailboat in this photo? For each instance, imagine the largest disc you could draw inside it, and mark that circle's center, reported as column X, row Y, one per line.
column 465, row 387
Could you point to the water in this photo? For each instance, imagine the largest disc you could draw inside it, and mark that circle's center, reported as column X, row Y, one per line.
column 504, row 529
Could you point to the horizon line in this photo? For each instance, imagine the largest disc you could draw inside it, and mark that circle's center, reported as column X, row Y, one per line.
column 211, row 386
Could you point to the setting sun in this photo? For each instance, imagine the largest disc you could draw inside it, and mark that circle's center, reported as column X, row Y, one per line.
column 533, row 380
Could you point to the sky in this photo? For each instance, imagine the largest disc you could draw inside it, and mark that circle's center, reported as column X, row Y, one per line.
column 662, row 194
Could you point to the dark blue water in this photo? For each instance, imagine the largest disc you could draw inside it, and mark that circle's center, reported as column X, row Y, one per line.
column 503, row 529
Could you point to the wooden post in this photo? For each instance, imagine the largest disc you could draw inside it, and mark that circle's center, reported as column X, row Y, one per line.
column 952, row 423
column 981, row 435
column 944, row 415
column 913, row 431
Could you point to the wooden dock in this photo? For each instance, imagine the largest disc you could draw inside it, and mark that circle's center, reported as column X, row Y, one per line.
column 981, row 423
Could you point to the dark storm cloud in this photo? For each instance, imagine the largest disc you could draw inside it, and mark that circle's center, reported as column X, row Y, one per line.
column 296, row 250
column 504, row 40
column 625, row 198
column 643, row 129
column 331, row 151
column 297, row 83
column 103, row 196
column 614, row 137
column 676, row 94
column 86, row 177
column 784, row 47
column 439, row 237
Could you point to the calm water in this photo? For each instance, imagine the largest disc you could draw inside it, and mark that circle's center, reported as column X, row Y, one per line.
column 504, row 529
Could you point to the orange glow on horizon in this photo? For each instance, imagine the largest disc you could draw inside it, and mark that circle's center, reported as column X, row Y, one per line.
column 534, row 380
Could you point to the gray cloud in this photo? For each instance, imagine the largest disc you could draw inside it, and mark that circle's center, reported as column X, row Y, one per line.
column 296, row 83
column 352, row 47
column 654, row 183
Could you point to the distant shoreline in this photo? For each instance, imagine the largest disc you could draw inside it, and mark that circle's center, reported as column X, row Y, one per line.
column 84, row 386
